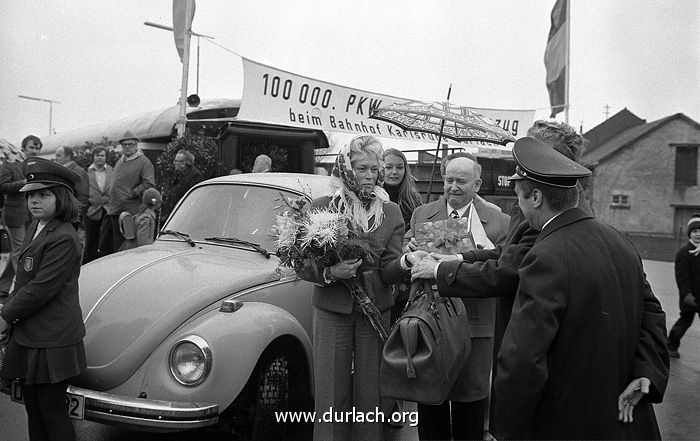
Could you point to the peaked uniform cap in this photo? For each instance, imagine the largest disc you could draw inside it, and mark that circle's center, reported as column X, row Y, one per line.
column 128, row 135
column 537, row 161
column 42, row 173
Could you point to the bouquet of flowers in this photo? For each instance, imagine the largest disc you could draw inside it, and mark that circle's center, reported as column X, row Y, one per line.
column 308, row 240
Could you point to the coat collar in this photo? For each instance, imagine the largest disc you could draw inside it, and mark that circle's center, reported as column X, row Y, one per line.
column 567, row 217
column 29, row 239
column 437, row 210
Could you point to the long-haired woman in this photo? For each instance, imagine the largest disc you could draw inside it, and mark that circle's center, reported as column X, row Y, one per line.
column 400, row 184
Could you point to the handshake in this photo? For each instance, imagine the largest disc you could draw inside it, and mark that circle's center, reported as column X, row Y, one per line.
column 423, row 265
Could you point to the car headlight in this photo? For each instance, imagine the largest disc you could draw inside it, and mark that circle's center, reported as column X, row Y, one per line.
column 190, row 360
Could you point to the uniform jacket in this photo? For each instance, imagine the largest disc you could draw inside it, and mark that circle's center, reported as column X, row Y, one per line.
column 14, row 212
column 494, row 273
column 585, row 323
column 473, row 383
column 98, row 199
column 82, row 189
column 687, row 269
column 44, row 307
column 131, row 178
column 389, row 236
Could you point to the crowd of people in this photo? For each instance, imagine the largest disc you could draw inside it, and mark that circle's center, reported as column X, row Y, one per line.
column 567, row 339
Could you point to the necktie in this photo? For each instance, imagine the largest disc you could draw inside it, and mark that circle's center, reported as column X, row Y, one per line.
column 454, row 214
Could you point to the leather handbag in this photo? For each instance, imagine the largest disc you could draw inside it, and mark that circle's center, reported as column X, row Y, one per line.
column 426, row 348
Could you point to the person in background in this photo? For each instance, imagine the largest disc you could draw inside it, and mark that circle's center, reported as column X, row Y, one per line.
column 687, row 270
column 66, row 157
column 185, row 177
column 321, row 171
column 235, row 171
column 144, row 223
column 262, row 164
column 98, row 232
column 347, row 352
column 46, row 350
column 15, row 215
column 133, row 175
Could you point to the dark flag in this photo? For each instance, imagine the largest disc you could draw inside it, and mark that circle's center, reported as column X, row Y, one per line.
column 555, row 58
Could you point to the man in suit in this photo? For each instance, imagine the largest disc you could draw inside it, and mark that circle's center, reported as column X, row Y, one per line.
column 462, row 179
column 98, row 228
column 585, row 346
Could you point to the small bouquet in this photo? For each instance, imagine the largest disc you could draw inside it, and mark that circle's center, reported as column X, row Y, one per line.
column 308, row 240
column 449, row 236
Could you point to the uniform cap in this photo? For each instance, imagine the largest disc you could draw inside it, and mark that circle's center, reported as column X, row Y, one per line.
column 42, row 173
column 537, row 161
column 128, row 135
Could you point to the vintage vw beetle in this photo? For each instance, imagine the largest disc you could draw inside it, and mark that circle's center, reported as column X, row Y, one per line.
column 202, row 327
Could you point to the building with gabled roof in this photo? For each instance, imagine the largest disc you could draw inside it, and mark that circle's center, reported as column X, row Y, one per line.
column 645, row 178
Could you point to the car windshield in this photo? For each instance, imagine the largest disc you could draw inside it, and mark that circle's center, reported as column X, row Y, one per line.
column 243, row 212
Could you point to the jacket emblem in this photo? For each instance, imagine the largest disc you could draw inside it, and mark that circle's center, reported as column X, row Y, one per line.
column 28, row 264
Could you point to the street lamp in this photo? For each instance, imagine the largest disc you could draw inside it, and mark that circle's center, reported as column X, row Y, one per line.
column 50, row 108
column 169, row 28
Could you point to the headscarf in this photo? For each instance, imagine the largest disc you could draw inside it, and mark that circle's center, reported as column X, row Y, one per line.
column 366, row 210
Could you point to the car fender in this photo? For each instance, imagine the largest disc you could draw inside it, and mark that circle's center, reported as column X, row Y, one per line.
column 237, row 340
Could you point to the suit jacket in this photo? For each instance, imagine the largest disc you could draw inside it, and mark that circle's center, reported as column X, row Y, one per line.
column 44, row 308
column 585, row 323
column 14, row 212
column 386, row 271
column 82, row 188
column 473, row 382
column 98, row 199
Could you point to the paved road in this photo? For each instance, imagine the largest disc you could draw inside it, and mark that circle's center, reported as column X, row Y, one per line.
column 677, row 415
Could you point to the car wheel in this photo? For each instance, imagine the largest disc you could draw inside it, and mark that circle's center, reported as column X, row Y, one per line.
column 252, row 415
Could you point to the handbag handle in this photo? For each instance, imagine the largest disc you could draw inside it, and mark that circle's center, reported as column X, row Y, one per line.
column 418, row 288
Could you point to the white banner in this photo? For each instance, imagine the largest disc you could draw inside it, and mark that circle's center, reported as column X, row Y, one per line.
column 277, row 97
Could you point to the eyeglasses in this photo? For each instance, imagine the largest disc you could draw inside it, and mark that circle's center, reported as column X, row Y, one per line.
column 129, row 144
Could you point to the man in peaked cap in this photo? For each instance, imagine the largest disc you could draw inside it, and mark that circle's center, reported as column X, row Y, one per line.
column 585, row 348
column 133, row 174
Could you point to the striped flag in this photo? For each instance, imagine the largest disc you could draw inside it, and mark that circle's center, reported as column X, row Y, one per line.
column 183, row 13
column 555, row 58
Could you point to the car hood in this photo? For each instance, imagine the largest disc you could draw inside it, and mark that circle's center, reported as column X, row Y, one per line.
column 133, row 300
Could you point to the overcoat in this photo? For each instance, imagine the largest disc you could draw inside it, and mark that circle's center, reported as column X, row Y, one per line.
column 44, row 308
column 386, row 270
column 473, row 382
column 585, row 323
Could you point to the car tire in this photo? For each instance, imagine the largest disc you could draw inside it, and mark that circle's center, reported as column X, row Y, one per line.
column 252, row 415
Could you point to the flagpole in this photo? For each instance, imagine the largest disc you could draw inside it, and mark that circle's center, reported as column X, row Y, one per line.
column 182, row 116
column 568, row 64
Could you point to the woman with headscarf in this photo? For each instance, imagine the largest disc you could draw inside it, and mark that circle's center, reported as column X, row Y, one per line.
column 347, row 351
column 262, row 164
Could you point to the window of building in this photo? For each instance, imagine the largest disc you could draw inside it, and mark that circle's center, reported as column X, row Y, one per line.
column 686, row 165
column 620, row 200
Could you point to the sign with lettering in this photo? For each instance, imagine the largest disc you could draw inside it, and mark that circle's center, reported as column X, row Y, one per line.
column 277, row 97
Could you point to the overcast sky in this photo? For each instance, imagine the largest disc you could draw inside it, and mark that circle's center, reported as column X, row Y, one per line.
column 101, row 63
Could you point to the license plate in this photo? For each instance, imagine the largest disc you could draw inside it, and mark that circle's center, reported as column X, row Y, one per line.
column 75, row 404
